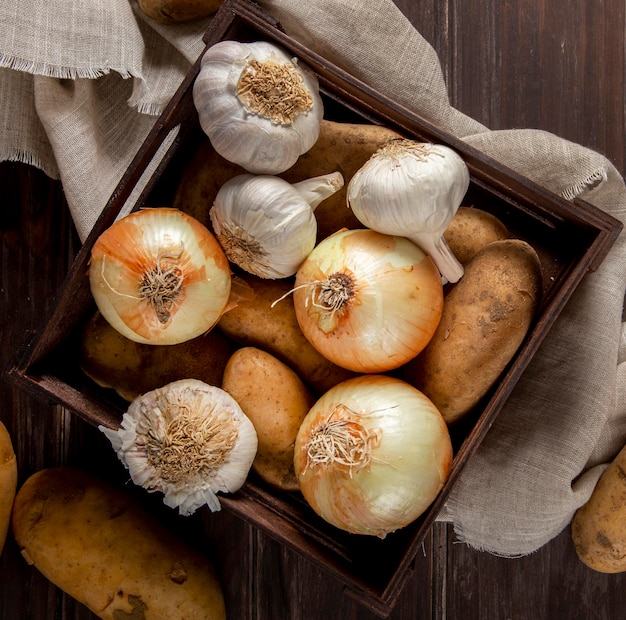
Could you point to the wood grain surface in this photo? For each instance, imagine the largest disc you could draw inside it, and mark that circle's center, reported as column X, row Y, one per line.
column 557, row 66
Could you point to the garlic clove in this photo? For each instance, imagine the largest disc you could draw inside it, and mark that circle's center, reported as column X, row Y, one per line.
column 266, row 225
column 260, row 108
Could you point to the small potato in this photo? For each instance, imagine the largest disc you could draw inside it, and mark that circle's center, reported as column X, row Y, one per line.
column 177, row 11
column 254, row 322
column 98, row 545
column 486, row 316
column 276, row 401
column 131, row 369
column 599, row 526
column 342, row 147
column 471, row 230
column 8, row 482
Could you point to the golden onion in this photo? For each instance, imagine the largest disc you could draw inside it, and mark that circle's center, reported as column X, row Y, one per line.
column 372, row 455
column 366, row 301
column 159, row 276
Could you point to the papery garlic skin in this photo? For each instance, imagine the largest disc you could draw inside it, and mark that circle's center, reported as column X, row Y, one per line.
column 257, row 105
column 412, row 189
column 188, row 440
column 372, row 455
column 266, row 225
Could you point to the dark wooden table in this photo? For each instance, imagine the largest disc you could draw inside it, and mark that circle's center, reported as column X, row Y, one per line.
column 558, row 66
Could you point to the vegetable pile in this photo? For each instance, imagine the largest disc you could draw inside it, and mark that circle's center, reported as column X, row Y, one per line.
column 350, row 304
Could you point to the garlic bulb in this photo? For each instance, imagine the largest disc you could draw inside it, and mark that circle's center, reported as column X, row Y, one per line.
column 412, row 189
column 267, row 225
column 187, row 439
column 259, row 108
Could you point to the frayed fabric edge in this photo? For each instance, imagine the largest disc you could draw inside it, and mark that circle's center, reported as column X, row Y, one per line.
column 25, row 157
column 146, row 108
column 59, row 72
column 587, row 184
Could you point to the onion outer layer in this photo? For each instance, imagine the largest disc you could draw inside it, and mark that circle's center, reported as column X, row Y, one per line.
column 397, row 443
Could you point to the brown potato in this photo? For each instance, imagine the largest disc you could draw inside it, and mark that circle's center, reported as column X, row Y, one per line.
column 254, row 322
column 177, row 11
column 98, row 545
column 114, row 361
column 599, row 526
column 486, row 316
column 276, row 401
column 471, row 230
column 342, row 147
column 8, row 482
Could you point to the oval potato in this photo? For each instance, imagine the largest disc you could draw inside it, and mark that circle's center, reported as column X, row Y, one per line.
column 130, row 368
column 342, row 147
column 8, row 482
column 470, row 230
column 486, row 316
column 98, row 545
column 276, row 401
column 599, row 526
column 254, row 322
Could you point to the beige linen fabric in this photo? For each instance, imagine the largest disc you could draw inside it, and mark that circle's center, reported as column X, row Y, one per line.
column 77, row 92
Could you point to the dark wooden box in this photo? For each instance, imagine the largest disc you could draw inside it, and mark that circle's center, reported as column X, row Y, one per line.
column 571, row 239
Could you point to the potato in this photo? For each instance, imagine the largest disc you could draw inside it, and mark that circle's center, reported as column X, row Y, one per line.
column 131, row 369
column 8, row 482
column 176, row 11
column 276, row 401
column 342, row 147
column 97, row 544
column 486, row 316
column 253, row 322
column 471, row 230
column 599, row 526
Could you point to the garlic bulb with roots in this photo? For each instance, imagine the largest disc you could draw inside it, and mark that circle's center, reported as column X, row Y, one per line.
column 267, row 225
column 412, row 189
column 258, row 106
column 188, row 440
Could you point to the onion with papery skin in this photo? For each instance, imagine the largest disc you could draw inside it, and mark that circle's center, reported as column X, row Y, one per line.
column 372, row 455
column 366, row 301
column 159, row 276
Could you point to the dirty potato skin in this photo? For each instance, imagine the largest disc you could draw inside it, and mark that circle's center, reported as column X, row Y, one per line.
column 472, row 229
column 130, row 368
column 8, row 482
column 486, row 316
column 342, row 147
column 599, row 526
column 177, row 11
column 276, row 401
column 254, row 322
column 98, row 545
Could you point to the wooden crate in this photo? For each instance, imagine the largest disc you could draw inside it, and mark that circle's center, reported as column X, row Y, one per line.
column 571, row 238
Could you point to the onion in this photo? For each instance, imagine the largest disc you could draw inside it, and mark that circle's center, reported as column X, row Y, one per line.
column 372, row 454
column 366, row 301
column 159, row 276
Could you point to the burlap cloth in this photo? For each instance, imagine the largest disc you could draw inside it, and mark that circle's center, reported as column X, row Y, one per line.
column 80, row 83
